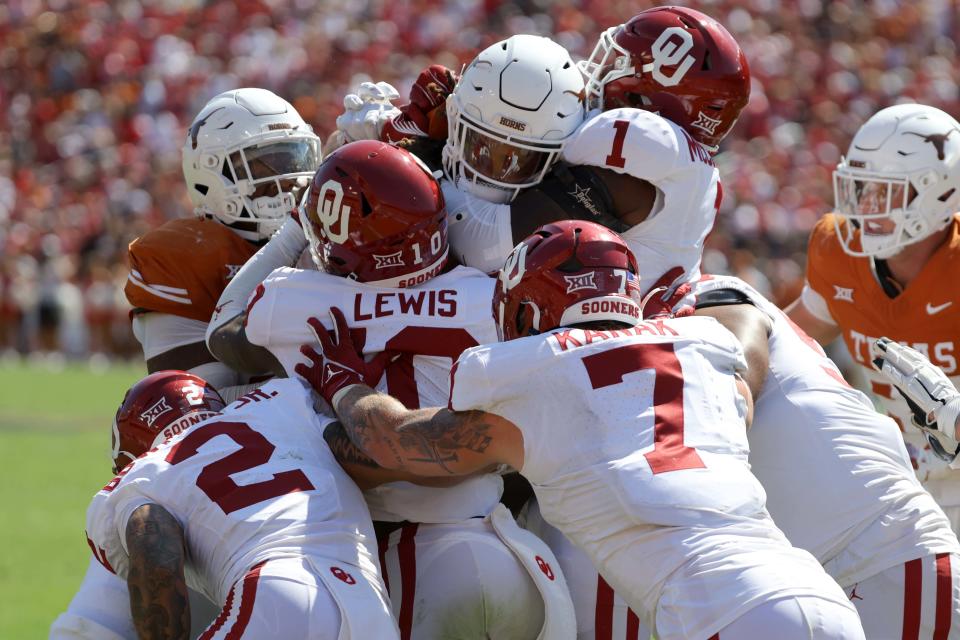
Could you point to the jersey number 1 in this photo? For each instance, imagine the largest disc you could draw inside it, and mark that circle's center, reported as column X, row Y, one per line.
column 616, row 159
column 255, row 450
column 607, row 368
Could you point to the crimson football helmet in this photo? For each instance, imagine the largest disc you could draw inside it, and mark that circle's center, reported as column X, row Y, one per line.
column 157, row 408
column 374, row 213
column 674, row 61
column 565, row 273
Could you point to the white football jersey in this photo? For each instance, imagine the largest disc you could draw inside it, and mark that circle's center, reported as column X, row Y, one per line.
column 256, row 482
column 630, row 141
column 644, row 145
column 635, row 444
column 838, row 479
column 430, row 325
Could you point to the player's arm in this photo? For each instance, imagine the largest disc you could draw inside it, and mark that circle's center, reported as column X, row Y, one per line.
column 752, row 328
column 426, row 442
column 820, row 330
column 364, row 470
column 614, row 200
column 184, row 358
column 232, row 347
column 158, row 588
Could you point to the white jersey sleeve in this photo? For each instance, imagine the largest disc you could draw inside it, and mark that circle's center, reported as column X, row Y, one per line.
column 100, row 610
column 644, row 145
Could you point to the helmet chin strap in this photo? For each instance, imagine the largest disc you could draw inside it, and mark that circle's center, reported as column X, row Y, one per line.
column 486, row 192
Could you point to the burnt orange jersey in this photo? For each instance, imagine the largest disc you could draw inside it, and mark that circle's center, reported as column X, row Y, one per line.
column 183, row 266
column 925, row 315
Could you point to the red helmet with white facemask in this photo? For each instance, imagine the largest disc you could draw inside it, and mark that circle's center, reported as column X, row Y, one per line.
column 675, row 61
column 374, row 213
column 157, row 408
column 566, row 273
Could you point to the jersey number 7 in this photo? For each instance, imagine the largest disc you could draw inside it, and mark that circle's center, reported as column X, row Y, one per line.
column 607, row 368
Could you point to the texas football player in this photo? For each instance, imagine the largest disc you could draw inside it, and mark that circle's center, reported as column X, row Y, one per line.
column 878, row 265
column 246, row 156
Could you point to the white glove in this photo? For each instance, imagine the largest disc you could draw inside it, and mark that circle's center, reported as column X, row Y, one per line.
column 933, row 399
column 364, row 115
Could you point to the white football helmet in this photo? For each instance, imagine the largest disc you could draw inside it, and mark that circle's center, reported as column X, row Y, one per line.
column 509, row 116
column 899, row 182
column 247, row 155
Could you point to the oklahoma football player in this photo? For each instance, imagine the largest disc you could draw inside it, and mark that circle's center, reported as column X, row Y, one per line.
column 632, row 433
column 245, row 157
column 456, row 563
column 247, row 503
column 877, row 266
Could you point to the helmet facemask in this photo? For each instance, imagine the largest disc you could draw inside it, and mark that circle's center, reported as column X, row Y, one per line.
column 608, row 62
column 260, row 182
column 476, row 155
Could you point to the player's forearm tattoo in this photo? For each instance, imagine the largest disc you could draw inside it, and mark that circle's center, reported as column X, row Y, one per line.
column 343, row 449
column 158, row 589
column 439, row 439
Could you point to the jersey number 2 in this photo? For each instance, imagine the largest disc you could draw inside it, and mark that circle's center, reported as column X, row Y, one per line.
column 215, row 480
column 607, row 368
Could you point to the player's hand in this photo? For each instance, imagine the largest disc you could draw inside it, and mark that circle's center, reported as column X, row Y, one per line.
column 932, row 398
column 364, row 114
column 664, row 300
column 339, row 364
column 425, row 116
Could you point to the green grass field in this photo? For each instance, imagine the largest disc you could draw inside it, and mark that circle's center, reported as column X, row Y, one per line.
column 54, row 455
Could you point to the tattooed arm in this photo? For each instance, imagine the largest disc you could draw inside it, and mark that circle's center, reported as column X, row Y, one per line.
column 364, row 470
column 427, row 442
column 158, row 589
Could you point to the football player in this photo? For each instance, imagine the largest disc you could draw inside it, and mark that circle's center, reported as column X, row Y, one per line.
column 248, row 504
column 664, row 89
column 245, row 157
column 878, row 264
column 633, row 435
column 456, row 563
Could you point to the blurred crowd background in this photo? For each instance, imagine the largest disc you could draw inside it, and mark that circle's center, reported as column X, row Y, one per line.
column 95, row 97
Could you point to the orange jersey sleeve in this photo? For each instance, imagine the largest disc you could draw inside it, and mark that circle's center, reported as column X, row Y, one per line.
column 182, row 267
column 824, row 256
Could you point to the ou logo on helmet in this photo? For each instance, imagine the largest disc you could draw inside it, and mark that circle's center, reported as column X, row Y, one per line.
column 331, row 210
column 671, row 48
column 514, row 267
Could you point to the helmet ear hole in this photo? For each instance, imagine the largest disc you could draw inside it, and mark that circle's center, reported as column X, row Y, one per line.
column 365, row 208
